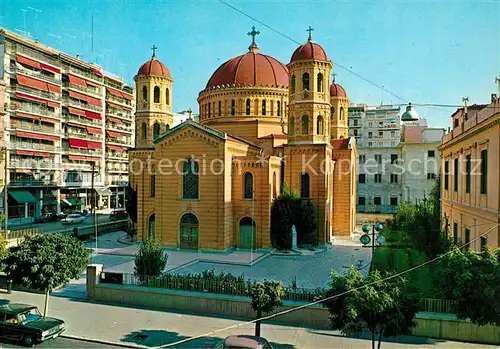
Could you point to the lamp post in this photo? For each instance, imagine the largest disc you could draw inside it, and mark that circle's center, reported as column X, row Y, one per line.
column 375, row 229
column 4, row 153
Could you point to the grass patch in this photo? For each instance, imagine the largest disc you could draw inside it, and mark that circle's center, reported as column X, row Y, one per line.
column 401, row 259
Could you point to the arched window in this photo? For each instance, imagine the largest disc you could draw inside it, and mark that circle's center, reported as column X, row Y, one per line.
column 167, row 96
column 151, row 227
column 320, row 125
column 247, row 106
column 167, row 127
column 304, row 185
column 291, row 127
column 208, row 109
column 305, row 124
column 233, row 107
column 156, row 130
column 275, row 186
column 341, row 113
column 220, row 108
column 263, row 107
column 190, row 180
column 156, row 93
column 305, row 81
column 319, row 82
column 144, row 130
column 278, row 107
column 144, row 93
column 248, row 186
column 332, row 113
column 292, row 85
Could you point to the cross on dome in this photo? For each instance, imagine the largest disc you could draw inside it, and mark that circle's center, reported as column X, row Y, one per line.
column 253, row 47
column 154, row 48
column 333, row 76
column 310, row 29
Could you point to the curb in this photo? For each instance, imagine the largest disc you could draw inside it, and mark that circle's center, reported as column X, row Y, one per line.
column 99, row 341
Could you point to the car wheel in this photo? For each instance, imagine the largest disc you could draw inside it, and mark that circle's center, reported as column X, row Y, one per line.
column 28, row 341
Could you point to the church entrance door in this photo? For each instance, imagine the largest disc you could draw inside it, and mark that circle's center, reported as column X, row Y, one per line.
column 248, row 233
column 189, row 232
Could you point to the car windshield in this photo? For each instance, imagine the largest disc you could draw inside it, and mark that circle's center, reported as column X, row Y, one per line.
column 74, row 215
column 29, row 316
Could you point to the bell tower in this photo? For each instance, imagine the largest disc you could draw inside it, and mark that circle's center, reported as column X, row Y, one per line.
column 153, row 115
column 309, row 101
column 339, row 128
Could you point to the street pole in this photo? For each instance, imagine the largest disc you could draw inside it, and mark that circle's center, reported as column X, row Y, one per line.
column 92, row 206
column 6, row 196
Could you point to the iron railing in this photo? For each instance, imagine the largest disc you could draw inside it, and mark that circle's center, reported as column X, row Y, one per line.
column 96, row 93
column 82, row 120
column 35, row 92
column 30, row 108
column 85, row 74
column 119, row 100
column 31, row 183
column 37, row 146
column 79, row 104
column 14, row 68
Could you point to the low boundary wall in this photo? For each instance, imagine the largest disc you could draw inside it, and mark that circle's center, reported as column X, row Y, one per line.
column 441, row 326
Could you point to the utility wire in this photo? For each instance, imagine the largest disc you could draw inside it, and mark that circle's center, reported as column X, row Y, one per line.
column 326, row 298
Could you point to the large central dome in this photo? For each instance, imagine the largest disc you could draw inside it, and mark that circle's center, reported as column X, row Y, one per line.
column 251, row 69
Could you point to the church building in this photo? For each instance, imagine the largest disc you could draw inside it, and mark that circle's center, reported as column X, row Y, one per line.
column 209, row 185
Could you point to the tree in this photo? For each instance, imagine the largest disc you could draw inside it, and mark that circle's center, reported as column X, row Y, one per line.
column 3, row 251
column 472, row 279
column 384, row 307
column 131, row 203
column 266, row 296
column 150, row 260
column 305, row 220
column 45, row 262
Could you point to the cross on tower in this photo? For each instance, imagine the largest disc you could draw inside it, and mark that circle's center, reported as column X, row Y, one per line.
column 497, row 81
column 309, row 30
column 154, row 48
column 333, row 76
column 253, row 33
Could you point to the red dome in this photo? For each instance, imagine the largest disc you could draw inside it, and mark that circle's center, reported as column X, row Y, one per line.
column 252, row 68
column 337, row 91
column 309, row 50
column 154, row 67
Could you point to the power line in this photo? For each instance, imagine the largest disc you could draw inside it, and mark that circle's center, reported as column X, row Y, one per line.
column 299, row 43
column 326, row 298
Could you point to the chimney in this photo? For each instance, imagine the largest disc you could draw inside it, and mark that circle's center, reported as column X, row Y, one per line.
column 494, row 97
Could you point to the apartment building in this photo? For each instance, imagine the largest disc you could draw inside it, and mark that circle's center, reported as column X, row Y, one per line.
column 67, row 127
column 397, row 161
column 470, row 192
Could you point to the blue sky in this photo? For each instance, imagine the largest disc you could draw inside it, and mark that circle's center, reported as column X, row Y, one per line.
column 425, row 52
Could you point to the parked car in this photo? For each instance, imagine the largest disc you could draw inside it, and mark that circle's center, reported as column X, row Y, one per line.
column 48, row 217
column 24, row 323
column 117, row 215
column 243, row 342
column 73, row 218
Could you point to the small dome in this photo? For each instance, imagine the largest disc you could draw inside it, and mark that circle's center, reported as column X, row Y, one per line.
column 337, row 91
column 410, row 114
column 251, row 69
column 154, row 67
column 309, row 50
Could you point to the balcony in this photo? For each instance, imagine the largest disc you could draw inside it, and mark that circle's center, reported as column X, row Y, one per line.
column 35, row 146
column 13, row 68
column 120, row 183
column 29, row 52
column 77, row 166
column 97, row 94
column 78, row 104
column 34, row 127
column 117, row 170
column 84, row 135
column 119, row 114
column 119, row 127
column 31, row 183
column 82, row 120
column 117, row 155
column 33, row 109
column 34, row 92
column 82, row 151
column 121, row 101
column 34, row 163
column 127, row 143
column 85, row 74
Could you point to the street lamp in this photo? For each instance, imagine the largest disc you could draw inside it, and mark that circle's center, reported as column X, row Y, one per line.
column 365, row 238
column 4, row 153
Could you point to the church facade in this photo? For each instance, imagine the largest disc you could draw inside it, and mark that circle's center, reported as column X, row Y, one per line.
column 209, row 185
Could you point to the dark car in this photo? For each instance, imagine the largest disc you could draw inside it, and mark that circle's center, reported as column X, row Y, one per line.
column 24, row 323
column 48, row 217
column 243, row 342
column 118, row 215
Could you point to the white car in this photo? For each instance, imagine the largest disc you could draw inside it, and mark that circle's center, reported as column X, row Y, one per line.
column 73, row 218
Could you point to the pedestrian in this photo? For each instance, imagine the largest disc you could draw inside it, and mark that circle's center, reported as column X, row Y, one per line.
column 75, row 232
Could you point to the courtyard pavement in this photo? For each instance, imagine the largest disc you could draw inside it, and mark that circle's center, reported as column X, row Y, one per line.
column 308, row 271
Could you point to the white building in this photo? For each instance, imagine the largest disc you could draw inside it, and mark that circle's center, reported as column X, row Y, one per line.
column 396, row 163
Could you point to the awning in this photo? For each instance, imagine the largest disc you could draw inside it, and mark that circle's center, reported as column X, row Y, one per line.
column 114, row 134
column 36, row 136
column 74, row 201
column 41, row 154
column 94, row 101
column 77, row 81
column 94, row 130
column 53, row 104
column 77, row 157
column 94, row 145
column 27, row 115
column 77, row 95
column 54, row 88
column 115, row 147
column 50, row 68
column 23, row 196
column 114, row 92
column 31, row 98
column 24, row 152
column 115, row 120
column 114, row 105
column 92, row 115
column 77, row 143
column 103, row 191
column 97, row 72
column 67, row 202
column 76, row 111
column 52, row 121
column 33, row 83
column 27, row 61
column 76, row 125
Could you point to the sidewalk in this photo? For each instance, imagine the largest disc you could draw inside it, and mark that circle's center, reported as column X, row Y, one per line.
column 149, row 328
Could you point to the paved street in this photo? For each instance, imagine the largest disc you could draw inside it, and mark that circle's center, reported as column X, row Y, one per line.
column 150, row 328
column 63, row 343
column 57, row 226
